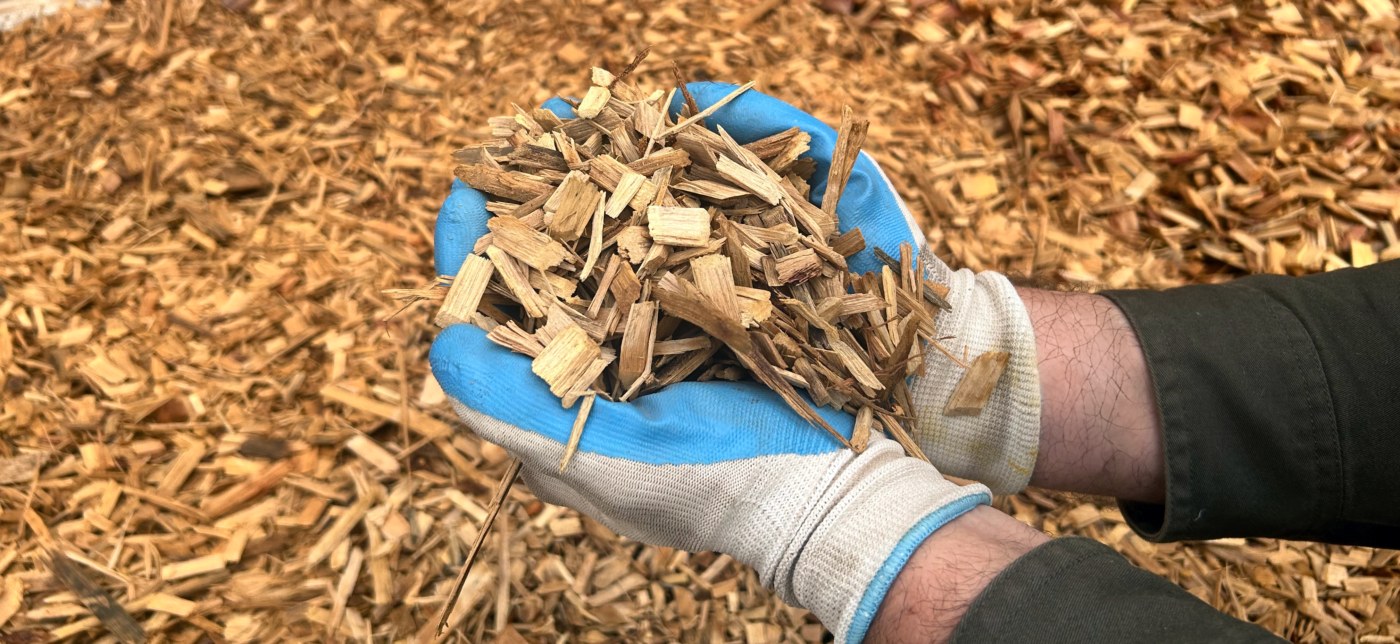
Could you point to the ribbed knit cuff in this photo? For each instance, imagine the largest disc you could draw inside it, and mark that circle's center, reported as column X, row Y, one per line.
column 997, row 447
column 853, row 556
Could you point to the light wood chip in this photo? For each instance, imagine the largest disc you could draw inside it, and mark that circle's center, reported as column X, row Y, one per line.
column 577, row 432
column 715, row 280
column 677, row 226
column 517, row 281
column 593, row 102
column 565, row 359
column 467, row 289
column 849, row 140
column 636, row 343
column 976, row 386
column 572, row 205
column 798, row 267
column 536, row 249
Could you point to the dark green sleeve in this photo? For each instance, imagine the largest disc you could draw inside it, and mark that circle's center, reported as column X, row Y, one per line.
column 1076, row 590
column 1278, row 397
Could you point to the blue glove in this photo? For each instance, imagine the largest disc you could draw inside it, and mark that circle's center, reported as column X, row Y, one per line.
column 718, row 465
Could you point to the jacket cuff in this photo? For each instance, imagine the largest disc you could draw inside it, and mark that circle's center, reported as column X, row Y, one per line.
column 1074, row 589
column 1251, row 437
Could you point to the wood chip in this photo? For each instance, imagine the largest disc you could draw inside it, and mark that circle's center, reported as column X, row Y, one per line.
column 577, row 432
column 465, row 294
column 166, row 603
column 636, row 343
column 112, row 615
column 242, row 493
column 418, row 421
column 517, row 281
column 593, row 102
column 572, row 205
column 536, row 249
column 677, row 226
column 566, row 359
column 798, row 267
column 977, row 384
column 978, row 186
column 373, row 453
column 860, row 436
column 846, row 151
column 715, row 279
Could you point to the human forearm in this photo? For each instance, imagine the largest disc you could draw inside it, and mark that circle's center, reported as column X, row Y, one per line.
column 987, row 577
column 947, row 573
column 1265, row 411
column 1100, row 431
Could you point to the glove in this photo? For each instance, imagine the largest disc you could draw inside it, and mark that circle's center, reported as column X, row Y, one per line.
column 716, row 465
column 997, row 447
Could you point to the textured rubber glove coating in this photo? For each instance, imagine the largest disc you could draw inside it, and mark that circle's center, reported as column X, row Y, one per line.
column 717, row 466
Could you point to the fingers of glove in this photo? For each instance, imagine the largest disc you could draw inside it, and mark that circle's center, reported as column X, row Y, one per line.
column 560, row 108
column 869, row 202
column 689, row 422
column 460, row 222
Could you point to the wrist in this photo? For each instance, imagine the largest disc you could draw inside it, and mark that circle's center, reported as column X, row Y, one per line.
column 1100, row 432
column 946, row 574
column 886, row 507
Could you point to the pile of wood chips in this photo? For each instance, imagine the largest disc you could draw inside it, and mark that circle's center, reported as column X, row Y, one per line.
column 718, row 232
column 215, row 424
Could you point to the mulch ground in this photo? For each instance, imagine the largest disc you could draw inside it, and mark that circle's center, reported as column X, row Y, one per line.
column 216, row 427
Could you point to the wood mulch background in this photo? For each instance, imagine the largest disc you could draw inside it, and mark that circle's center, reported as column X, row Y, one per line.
column 202, row 380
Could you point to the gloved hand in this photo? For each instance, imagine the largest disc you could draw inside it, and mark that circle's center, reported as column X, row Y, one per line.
column 716, row 465
column 720, row 466
column 997, row 447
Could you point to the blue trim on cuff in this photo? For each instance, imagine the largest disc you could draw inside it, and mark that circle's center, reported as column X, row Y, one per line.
column 884, row 578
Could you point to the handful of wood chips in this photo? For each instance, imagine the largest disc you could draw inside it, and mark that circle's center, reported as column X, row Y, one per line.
column 629, row 251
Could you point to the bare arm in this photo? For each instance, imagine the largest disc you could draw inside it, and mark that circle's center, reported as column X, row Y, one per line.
column 1100, row 432
column 947, row 573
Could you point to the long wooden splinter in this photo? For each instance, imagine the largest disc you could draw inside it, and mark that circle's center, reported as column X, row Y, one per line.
column 497, row 500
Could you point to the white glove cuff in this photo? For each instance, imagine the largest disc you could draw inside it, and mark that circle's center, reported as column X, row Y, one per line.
column 998, row 446
column 879, row 510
